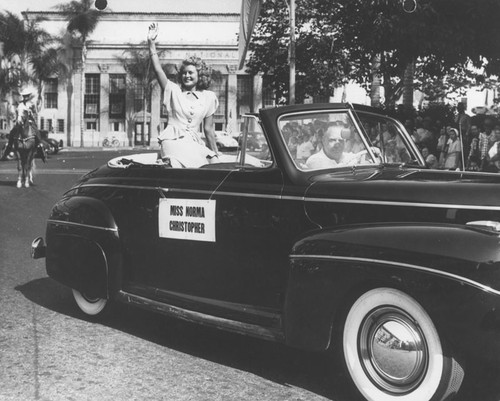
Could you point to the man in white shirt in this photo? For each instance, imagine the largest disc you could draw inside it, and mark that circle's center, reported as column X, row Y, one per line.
column 332, row 154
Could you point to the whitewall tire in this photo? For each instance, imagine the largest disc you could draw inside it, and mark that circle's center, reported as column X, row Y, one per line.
column 89, row 305
column 393, row 351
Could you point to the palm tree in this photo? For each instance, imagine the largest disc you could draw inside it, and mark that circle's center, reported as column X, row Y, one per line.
column 82, row 19
column 408, row 78
column 65, row 48
column 29, row 42
column 137, row 63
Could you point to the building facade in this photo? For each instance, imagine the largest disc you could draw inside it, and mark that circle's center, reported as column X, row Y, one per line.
column 118, row 110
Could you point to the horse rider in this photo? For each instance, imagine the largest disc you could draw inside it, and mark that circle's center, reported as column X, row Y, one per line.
column 26, row 106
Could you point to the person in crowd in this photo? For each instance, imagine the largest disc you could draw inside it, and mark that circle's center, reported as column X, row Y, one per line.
column 26, row 107
column 454, row 150
column 463, row 123
column 424, row 136
column 292, row 146
column 410, row 127
column 486, row 140
column 305, row 147
column 441, row 147
column 494, row 150
column 190, row 105
column 431, row 161
column 354, row 143
column 474, row 156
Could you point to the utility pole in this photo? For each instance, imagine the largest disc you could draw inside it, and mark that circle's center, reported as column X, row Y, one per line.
column 291, row 54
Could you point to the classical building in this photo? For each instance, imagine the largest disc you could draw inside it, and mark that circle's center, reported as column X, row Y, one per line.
column 114, row 102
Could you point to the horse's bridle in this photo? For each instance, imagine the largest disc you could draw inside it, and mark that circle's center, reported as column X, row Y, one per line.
column 24, row 140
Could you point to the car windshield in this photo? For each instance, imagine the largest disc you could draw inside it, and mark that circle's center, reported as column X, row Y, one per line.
column 335, row 138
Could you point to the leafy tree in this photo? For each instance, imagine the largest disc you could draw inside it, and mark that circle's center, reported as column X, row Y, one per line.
column 82, row 20
column 338, row 41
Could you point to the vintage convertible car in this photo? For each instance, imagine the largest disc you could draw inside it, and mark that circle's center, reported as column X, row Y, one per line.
column 358, row 248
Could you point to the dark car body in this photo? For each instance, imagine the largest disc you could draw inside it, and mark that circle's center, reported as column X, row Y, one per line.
column 4, row 140
column 379, row 256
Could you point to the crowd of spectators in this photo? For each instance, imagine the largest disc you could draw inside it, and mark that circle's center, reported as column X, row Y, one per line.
column 470, row 143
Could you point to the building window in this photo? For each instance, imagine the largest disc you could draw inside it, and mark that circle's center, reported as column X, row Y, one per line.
column 267, row 92
column 46, row 124
column 116, row 126
column 92, row 89
column 60, row 125
column 117, row 93
column 50, row 93
column 139, row 94
column 91, row 125
column 244, row 94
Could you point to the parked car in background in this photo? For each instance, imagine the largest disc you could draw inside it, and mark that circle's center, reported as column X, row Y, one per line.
column 225, row 141
column 51, row 145
column 4, row 139
column 359, row 251
column 254, row 140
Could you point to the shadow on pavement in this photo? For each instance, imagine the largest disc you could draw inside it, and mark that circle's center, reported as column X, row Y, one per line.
column 272, row 361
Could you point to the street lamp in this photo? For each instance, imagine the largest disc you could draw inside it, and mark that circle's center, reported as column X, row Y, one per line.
column 101, row 4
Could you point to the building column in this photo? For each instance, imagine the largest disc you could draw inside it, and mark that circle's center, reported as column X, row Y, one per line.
column 104, row 128
column 257, row 92
column 232, row 100
column 75, row 112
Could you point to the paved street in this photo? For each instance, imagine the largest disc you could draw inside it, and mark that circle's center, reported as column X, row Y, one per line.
column 51, row 351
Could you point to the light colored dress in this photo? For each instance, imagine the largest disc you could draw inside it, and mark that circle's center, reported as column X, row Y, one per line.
column 186, row 112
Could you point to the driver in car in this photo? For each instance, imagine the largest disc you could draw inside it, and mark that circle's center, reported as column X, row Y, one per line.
column 332, row 154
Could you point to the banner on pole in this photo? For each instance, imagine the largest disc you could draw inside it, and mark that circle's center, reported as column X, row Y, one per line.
column 250, row 10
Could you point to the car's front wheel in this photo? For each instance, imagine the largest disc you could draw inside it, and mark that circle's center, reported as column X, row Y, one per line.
column 90, row 305
column 393, row 351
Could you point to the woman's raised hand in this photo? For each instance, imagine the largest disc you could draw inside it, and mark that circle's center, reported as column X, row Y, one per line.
column 153, row 32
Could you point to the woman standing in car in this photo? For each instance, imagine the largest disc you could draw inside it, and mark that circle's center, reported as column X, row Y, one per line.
column 189, row 105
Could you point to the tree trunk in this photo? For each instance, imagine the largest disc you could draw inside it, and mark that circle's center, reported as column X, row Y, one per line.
column 408, row 85
column 376, row 81
column 82, row 94
column 144, row 124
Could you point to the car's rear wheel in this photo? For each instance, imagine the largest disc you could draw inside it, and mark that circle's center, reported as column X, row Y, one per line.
column 393, row 351
column 90, row 305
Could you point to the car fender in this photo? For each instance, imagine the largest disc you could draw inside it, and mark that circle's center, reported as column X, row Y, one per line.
column 83, row 248
column 330, row 268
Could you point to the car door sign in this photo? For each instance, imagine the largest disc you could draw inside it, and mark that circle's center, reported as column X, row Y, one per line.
column 188, row 219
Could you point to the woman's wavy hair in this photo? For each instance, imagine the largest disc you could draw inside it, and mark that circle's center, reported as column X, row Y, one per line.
column 204, row 72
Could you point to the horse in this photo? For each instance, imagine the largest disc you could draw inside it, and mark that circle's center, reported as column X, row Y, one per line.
column 25, row 149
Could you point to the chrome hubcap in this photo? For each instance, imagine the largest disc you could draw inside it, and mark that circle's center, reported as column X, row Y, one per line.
column 89, row 299
column 392, row 350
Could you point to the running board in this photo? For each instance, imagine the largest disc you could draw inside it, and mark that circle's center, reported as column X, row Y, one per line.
column 202, row 318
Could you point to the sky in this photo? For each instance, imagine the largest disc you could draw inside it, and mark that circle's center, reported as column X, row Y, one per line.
column 17, row 6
